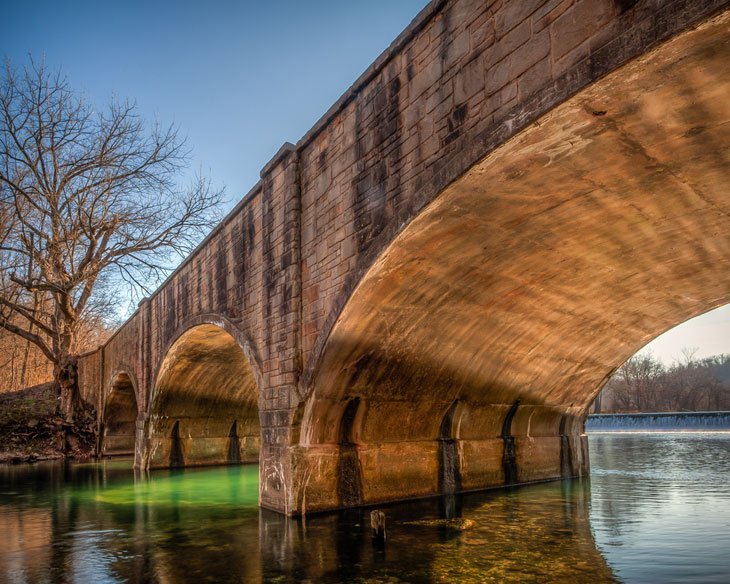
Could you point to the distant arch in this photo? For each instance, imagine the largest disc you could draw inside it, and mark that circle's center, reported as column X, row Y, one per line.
column 119, row 421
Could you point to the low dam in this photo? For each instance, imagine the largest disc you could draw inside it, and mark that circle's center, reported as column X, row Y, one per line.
column 660, row 422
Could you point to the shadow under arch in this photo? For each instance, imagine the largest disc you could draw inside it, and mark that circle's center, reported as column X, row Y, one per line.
column 119, row 430
column 204, row 405
column 245, row 343
column 531, row 278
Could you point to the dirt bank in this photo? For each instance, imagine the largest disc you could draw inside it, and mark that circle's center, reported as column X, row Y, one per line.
column 31, row 430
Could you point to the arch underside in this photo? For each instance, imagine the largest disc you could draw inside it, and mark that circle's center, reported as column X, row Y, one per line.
column 205, row 404
column 533, row 277
column 120, row 418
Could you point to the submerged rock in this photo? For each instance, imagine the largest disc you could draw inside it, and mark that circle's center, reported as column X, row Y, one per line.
column 457, row 524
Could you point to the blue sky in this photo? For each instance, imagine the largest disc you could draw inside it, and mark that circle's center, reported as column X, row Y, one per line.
column 238, row 78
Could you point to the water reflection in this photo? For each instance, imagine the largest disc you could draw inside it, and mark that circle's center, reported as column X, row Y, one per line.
column 102, row 523
column 660, row 506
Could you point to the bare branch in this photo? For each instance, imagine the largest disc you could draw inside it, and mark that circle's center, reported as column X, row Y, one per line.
column 88, row 197
column 33, row 338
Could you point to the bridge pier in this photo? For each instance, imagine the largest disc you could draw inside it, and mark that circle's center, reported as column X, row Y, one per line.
column 140, row 441
column 393, row 470
column 299, row 478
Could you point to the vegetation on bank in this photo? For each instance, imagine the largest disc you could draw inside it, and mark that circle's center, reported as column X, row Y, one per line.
column 645, row 384
column 32, row 429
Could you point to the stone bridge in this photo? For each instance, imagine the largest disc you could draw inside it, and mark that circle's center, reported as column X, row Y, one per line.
column 425, row 294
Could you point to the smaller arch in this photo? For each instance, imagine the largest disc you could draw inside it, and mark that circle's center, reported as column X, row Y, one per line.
column 234, row 444
column 245, row 343
column 509, row 454
column 566, row 450
column 204, row 403
column 177, row 458
column 119, row 422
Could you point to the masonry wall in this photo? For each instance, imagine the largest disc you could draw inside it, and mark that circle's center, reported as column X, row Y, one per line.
column 90, row 380
column 223, row 277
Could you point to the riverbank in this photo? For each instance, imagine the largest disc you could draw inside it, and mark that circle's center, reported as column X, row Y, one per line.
column 30, row 429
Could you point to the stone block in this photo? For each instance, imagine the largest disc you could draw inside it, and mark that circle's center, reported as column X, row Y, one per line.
column 514, row 13
column 470, row 80
column 517, row 62
column 536, row 77
column 577, row 24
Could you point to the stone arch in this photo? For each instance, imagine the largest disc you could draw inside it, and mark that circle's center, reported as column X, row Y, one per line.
column 203, row 408
column 119, row 420
column 245, row 343
column 531, row 278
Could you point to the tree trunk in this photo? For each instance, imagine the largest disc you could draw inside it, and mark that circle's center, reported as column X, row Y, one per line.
column 597, row 403
column 66, row 377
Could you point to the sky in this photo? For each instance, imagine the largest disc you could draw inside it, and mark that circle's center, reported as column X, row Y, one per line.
column 238, row 78
column 708, row 333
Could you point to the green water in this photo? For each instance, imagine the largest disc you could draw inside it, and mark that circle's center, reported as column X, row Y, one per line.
column 656, row 510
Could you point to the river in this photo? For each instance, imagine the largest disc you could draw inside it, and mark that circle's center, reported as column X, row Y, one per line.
column 656, row 509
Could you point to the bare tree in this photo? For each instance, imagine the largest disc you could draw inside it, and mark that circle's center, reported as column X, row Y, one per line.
column 694, row 384
column 689, row 385
column 637, row 384
column 86, row 197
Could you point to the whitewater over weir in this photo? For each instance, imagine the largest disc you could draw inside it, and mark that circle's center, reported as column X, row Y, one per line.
column 659, row 422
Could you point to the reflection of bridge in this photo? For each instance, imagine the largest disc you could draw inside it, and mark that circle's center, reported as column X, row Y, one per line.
column 428, row 290
column 171, row 529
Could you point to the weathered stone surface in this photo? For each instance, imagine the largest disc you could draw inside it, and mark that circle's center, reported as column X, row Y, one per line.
column 513, row 199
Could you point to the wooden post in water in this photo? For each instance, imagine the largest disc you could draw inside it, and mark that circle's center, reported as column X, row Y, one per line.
column 377, row 524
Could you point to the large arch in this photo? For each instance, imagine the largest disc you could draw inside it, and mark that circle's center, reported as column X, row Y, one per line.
column 204, row 405
column 119, row 422
column 495, row 317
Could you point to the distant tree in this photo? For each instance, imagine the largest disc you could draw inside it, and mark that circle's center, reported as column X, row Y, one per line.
column 719, row 396
column 21, row 363
column 639, row 383
column 694, row 383
column 643, row 384
column 87, row 199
